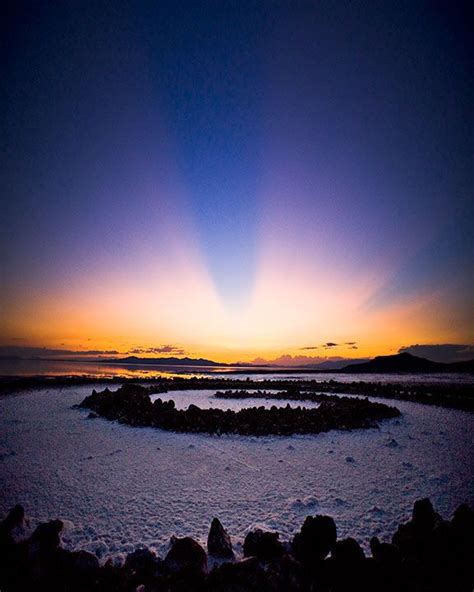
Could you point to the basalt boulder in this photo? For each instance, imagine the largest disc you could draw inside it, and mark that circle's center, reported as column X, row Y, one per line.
column 143, row 561
column 263, row 545
column 243, row 576
column 424, row 517
column 46, row 536
column 218, row 541
column 411, row 539
column 317, row 537
column 348, row 568
column 13, row 521
column 186, row 555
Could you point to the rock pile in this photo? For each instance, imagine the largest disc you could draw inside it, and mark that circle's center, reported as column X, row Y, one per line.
column 427, row 554
column 453, row 393
column 131, row 404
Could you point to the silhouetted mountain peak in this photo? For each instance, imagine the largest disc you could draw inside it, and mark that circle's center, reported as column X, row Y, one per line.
column 406, row 362
column 169, row 361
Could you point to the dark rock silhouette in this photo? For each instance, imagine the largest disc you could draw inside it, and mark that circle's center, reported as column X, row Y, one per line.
column 317, row 537
column 347, row 568
column 143, row 561
column 424, row 517
column 243, row 576
column 458, row 396
column 263, row 545
column 14, row 520
column 131, row 405
column 46, row 536
column 428, row 554
column 186, row 555
column 218, row 541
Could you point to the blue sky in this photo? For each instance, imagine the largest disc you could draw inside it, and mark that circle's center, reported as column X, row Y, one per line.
column 335, row 137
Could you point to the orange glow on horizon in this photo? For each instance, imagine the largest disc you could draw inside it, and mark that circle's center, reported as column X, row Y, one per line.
column 289, row 309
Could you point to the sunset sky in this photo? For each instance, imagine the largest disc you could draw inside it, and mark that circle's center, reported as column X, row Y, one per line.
column 237, row 180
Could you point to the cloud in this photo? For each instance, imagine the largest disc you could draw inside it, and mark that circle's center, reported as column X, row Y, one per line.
column 26, row 352
column 443, row 352
column 14, row 351
column 162, row 349
column 330, row 344
column 289, row 360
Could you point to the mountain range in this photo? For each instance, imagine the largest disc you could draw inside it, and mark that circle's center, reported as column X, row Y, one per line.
column 406, row 362
column 397, row 363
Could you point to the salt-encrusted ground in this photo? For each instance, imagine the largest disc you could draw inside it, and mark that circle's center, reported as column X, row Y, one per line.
column 119, row 487
column 206, row 400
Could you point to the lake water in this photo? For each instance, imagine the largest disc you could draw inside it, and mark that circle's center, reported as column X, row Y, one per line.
column 109, row 370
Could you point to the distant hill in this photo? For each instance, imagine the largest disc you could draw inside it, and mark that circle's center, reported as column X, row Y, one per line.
column 406, row 362
column 164, row 361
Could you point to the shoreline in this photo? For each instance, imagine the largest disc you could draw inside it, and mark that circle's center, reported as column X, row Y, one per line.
column 454, row 396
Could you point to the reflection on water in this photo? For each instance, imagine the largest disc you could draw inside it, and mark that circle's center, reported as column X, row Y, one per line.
column 95, row 369
column 109, row 370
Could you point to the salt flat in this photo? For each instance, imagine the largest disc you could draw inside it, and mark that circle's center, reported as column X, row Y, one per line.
column 118, row 487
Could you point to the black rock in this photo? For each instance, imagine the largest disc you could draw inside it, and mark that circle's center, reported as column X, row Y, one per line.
column 316, row 539
column 84, row 562
column 348, row 552
column 428, row 555
column 263, row 545
column 242, row 576
column 131, row 405
column 142, row 561
column 413, row 538
column 286, row 574
column 14, row 519
column 186, row 555
column 46, row 535
column 424, row 517
column 347, row 567
column 384, row 552
column 463, row 522
column 218, row 541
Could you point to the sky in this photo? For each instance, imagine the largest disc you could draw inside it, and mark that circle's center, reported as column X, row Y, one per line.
column 237, row 180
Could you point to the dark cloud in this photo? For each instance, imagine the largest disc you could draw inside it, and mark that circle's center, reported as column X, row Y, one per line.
column 10, row 351
column 353, row 347
column 443, row 352
column 329, row 344
column 162, row 349
column 351, row 343
column 310, row 347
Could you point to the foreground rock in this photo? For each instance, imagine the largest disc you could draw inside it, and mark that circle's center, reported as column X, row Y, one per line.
column 131, row 404
column 427, row 554
column 317, row 537
column 218, row 541
column 263, row 545
column 186, row 557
